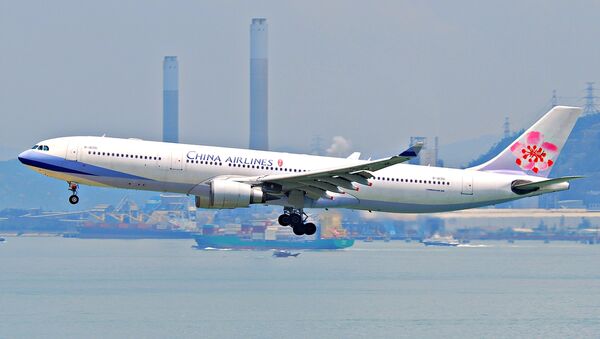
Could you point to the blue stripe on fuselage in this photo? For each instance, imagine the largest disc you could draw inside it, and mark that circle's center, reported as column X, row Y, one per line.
column 58, row 164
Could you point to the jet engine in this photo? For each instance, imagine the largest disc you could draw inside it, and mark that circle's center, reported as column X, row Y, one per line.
column 228, row 194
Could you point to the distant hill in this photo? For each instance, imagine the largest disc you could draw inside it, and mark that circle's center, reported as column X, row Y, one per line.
column 20, row 187
column 495, row 149
column 580, row 157
column 458, row 154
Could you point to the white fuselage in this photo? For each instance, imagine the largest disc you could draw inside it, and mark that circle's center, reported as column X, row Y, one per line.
column 179, row 168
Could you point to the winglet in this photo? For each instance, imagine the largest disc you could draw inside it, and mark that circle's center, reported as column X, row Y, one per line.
column 412, row 151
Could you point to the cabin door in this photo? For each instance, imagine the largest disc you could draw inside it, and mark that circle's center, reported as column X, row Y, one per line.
column 467, row 185
column 72, row 152
column 176, row 161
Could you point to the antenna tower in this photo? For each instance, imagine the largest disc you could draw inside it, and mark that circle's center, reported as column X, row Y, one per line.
column 554, row 98
column 506, row 128
column 590, row 105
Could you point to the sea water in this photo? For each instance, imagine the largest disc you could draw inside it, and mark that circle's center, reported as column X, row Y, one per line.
column 75, row 288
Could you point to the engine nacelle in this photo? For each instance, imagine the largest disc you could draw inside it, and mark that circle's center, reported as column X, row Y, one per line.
column 228, row 194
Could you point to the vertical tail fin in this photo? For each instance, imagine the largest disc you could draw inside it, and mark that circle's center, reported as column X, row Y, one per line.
column 535, row 151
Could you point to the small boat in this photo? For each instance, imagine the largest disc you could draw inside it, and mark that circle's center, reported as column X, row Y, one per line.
column 2, row 239
column 284, row 254
column 439, row 240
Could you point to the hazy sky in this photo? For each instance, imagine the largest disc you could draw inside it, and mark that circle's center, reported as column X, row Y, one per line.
column 375, row 72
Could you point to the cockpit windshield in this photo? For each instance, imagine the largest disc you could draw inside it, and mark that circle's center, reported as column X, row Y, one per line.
column 41, row 147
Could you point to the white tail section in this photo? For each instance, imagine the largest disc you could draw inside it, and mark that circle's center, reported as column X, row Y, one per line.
column 535, row 151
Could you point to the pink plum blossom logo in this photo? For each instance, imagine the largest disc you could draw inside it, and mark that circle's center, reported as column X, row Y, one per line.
column 533, row 153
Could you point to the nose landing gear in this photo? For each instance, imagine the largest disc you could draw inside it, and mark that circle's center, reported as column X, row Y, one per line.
column 297, row 219
column 73, row 199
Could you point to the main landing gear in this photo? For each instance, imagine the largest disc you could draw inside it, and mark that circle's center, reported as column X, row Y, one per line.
column 73, row 199
column 297, row 219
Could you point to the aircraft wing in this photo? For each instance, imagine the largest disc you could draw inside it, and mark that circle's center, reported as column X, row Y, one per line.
column 316, row 183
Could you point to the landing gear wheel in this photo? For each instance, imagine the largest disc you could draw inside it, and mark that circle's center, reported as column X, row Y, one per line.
column 73, row 199
column 310, row 228
column 284, row 220
column 295, row 220
column 299, row 229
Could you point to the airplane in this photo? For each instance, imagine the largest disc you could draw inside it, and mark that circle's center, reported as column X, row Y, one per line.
column 224, row 178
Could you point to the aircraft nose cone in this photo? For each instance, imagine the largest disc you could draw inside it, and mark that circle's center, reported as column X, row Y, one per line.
column 24, row 156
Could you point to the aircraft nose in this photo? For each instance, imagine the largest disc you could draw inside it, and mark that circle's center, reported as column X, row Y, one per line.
column 24, row 156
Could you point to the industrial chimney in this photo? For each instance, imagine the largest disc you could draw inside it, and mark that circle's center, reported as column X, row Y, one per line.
column 170, row 99
column 259, row 85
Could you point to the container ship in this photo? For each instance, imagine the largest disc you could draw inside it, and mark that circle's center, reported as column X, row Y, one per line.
column 239, row 243
column 248, row 237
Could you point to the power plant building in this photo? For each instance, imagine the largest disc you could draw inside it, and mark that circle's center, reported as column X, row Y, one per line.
column 259, row 85
column 170, row 99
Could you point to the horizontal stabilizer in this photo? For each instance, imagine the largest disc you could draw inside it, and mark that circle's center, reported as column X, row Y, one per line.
column 524, row 187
